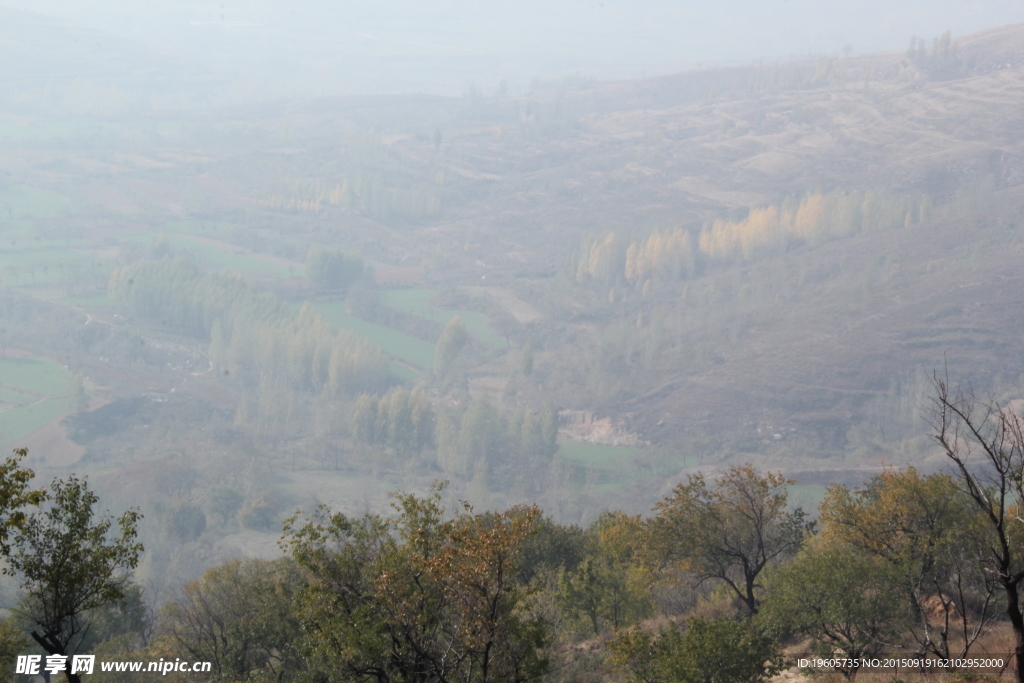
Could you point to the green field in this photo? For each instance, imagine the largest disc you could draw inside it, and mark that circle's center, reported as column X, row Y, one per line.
column 97, row 300
column 18, row 422
column 39, row 265
column 20, row 203
column 417, row 302
column 612, row 465
column 37, row 375
column 27, row 256
column 42, row 378
column 391, row 342
column 599, row 457
column 178, row 236
column 237, row 260
column 616, row 466
column 12, row 397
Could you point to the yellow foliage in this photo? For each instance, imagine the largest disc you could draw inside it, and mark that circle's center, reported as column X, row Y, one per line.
column 810, row 217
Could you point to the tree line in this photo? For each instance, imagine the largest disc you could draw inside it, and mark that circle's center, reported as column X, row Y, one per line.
column 252, row 333
column 730, row 572
column 676, row 254
column 476, row 441
column 718, row 583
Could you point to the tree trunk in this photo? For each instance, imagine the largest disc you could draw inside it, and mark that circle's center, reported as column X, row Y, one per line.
column 52, row 648
column 1017, row 622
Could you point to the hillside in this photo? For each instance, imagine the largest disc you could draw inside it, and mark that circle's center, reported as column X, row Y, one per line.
column 760, row 264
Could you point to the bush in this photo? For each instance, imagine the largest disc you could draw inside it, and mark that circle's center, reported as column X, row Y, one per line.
column 708, row 651
column 260, row 513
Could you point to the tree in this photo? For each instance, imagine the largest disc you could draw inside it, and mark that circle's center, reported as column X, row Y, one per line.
column 708, row 651
column 71, row 564
column 224, row 502
column 453, row 338
column 609, row 587
column 985, row 442
column 333, row 268
column 526, row 360
column 14, row 496
column 932, row 534
column 239, row 616
column 848, row 602
column 418, row 597
column 730, row 533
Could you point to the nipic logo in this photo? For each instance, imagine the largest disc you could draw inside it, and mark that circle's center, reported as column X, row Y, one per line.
column 55, row 664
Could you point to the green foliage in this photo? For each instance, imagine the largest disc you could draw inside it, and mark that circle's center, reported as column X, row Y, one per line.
column 241, row 617
column 730, row 533
column 418, row 597
column 451, row 342
column 70, row 563
column 552, row 547
column 930, row 531
column 14, row 496
column 848, row 602
column 708, row 651
column 333, row 268
column 501, row 447
column 610, row 587
column 398, row 344
column 402, row 420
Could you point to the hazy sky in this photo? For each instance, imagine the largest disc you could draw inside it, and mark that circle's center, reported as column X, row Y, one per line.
column 333, row 46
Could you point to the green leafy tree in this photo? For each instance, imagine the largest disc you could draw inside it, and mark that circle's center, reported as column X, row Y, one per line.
column 14, row 496
column 609, row 587
column 708, row 651
column 729, row 533
column 932, row 534
column 418, row 598
column 239, row 616
column 450, row 344
column 71, row 564
column 333, row 268
column 848, row 602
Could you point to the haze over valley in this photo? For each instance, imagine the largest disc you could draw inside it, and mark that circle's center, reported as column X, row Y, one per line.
column 570, row 278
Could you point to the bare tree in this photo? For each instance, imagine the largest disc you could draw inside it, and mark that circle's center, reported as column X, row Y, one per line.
column 985, row 441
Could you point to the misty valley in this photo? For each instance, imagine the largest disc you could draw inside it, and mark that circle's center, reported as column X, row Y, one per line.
column 675, row 378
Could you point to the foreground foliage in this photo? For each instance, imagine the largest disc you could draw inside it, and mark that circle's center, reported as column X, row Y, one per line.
column 707, row 651
column 418, row 597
